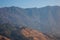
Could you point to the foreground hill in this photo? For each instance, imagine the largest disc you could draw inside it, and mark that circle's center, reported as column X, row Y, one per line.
column 11, row 32
column 31, row 34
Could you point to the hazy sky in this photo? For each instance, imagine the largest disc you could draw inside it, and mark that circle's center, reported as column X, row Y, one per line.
column 29, row 3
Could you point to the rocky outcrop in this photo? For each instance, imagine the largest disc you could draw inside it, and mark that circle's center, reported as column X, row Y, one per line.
column 31, row 34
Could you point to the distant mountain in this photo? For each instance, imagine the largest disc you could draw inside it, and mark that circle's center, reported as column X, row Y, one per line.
column 46, row 19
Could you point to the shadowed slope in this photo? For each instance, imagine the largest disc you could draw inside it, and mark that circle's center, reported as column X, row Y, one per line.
column 3, row 38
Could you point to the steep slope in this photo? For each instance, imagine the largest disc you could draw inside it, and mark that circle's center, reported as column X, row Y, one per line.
column 13, row 15
column 46, row 19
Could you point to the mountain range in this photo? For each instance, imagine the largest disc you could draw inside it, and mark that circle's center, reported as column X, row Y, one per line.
column 45, row 19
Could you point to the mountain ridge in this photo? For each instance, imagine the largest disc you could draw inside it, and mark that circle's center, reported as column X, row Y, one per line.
column 45, row 19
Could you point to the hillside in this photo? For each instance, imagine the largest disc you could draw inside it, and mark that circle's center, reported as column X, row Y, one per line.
column 10, row 32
